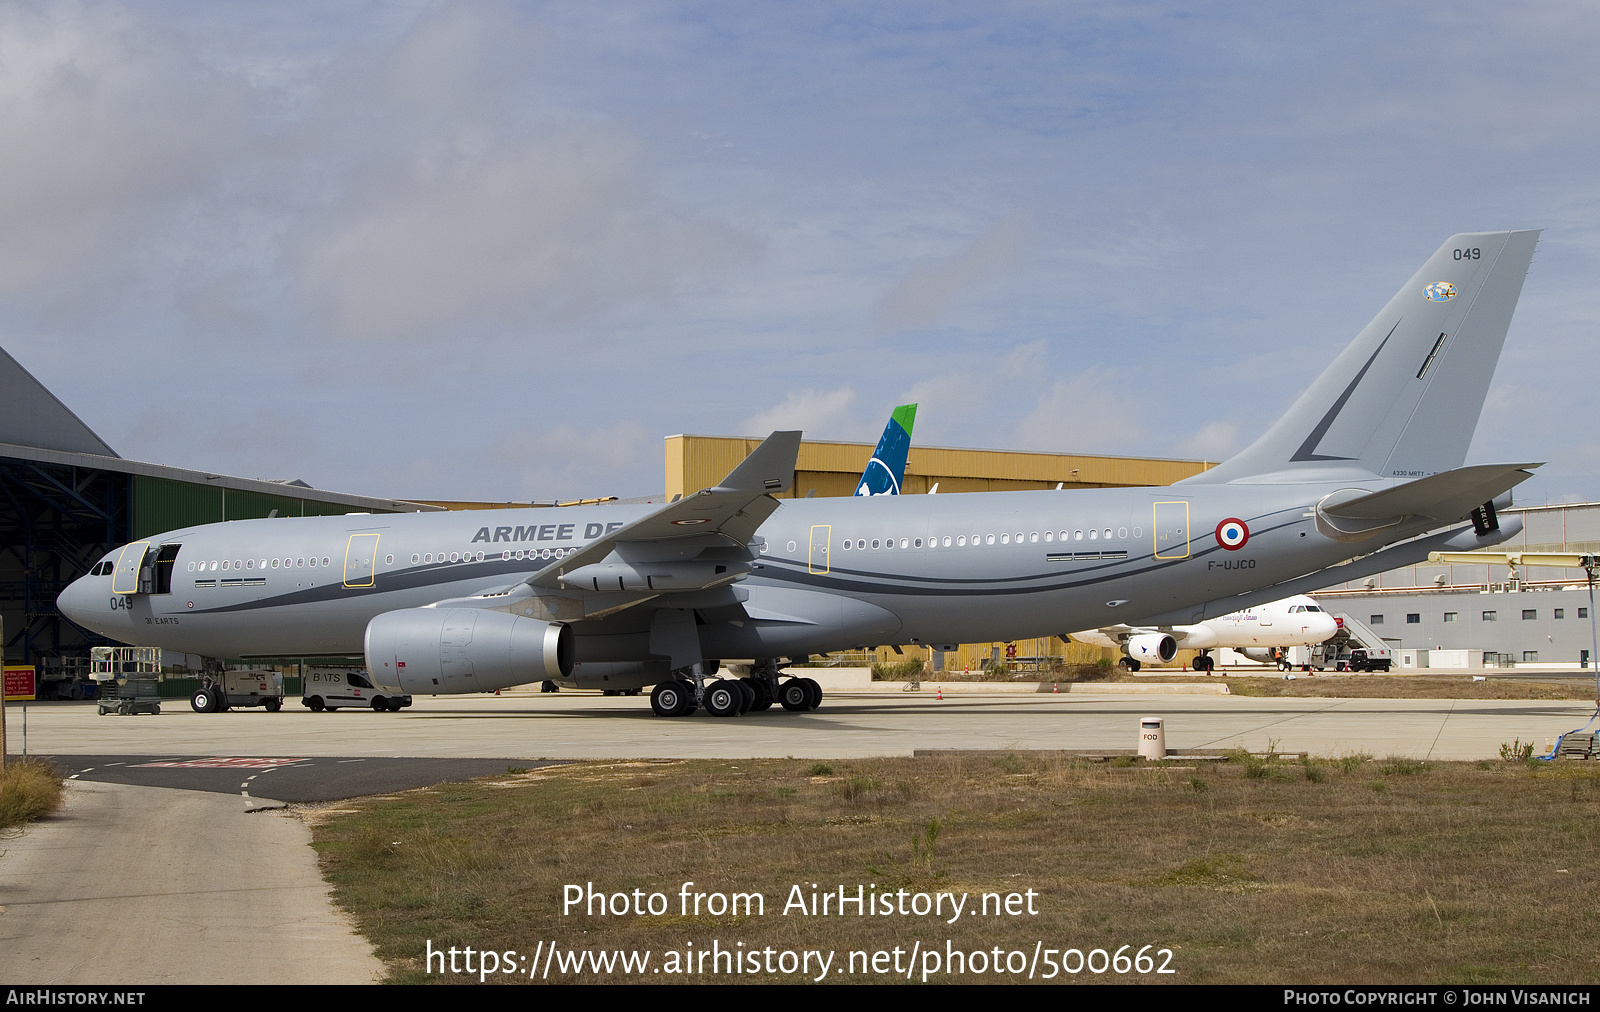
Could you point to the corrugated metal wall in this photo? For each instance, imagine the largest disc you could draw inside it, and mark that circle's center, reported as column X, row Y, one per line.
column 696, row 462
column 160, row 504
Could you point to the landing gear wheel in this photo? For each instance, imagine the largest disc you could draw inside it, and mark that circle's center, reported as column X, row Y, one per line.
column 749, row 694
column 816, row 692
column 794, row 696
column 274, row 705
column 764, row 698
column 724, row 698
column 1129, row 664
column 1203, row 663
column 315, row 704
column 672, row 699
column 202, row 701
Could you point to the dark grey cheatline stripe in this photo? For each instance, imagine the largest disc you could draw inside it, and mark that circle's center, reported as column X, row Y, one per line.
column 387, row 583
column 862, row 582
column 866, row 584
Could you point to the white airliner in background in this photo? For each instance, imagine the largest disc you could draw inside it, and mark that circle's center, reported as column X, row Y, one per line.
column 1293, row 622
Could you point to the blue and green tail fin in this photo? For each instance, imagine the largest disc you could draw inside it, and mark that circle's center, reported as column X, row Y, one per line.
column 887, row 468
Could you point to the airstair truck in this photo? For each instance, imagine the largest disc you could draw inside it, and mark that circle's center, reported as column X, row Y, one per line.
column 1355, row 647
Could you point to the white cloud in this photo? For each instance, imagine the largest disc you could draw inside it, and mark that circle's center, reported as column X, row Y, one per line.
column 1213, row 441
column 106, row 127
column 1095, row 411
column 927, row 290
column 820, row 414
column 519, row 234
column 576, row 461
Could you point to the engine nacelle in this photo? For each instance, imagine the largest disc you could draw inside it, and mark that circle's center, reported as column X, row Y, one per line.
column 436, row 651
column 1153, row 648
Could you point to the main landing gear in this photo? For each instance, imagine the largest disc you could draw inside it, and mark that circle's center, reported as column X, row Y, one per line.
column 688, row 690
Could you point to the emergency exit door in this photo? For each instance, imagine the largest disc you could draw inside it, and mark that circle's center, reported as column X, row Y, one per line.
column 361, row 560
column 1172, row 530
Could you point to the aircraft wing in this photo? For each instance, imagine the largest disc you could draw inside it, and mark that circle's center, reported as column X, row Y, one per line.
column 1113, row 635
column 735, row 508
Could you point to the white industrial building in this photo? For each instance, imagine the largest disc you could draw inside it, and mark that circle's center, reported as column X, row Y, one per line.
column 1486, row 615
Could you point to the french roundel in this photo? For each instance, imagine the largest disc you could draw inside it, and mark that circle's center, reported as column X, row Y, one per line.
column 1232, row 534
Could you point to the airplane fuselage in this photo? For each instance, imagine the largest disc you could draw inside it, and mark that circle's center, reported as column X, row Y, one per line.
column 828, row 574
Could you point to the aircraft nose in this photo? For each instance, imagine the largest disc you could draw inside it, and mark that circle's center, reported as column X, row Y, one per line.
column 73, row 602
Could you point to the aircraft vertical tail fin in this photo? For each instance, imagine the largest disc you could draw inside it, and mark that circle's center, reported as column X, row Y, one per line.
column 1403, row 400
column 887, row 468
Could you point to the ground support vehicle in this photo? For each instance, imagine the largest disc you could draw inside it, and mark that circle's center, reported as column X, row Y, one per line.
column 224, row 690
column 329, row 689
column 130, row 696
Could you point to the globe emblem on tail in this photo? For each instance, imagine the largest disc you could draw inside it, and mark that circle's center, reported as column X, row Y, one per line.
column 1440, row 291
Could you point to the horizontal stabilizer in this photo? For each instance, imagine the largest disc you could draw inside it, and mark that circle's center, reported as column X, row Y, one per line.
column 1447, row 497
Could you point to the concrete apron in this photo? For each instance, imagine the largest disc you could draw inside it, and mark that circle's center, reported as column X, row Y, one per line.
column 145, row 885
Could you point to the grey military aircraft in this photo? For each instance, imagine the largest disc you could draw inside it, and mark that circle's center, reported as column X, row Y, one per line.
column 1367, row 465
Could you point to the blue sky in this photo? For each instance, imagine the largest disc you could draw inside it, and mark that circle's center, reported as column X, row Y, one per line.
column 501, row 250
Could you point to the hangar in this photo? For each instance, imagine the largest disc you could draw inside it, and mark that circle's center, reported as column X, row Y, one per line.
column 66, row 498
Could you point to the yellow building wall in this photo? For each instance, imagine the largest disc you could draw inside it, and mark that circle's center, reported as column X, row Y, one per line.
column 832, row 469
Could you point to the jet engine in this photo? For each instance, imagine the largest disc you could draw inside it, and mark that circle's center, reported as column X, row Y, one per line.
column 435, row 651
column 1155, row 648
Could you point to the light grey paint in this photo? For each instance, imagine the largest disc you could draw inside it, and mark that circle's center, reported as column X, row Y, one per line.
column 917, row 569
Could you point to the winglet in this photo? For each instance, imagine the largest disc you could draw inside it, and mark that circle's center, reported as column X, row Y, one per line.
column 769, row 468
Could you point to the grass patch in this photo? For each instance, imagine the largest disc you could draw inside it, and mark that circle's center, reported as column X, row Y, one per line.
column 1364, row 871
column 29, row 790
column 1404, row 687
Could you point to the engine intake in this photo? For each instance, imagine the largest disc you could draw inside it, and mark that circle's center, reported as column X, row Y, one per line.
column 1157, row 648
column 437, row 651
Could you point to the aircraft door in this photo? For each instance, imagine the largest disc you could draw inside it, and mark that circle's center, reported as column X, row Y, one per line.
column 817, row 558
column 1265, row 617
column 129, row 576
column 1172, row 530
column 361, row 560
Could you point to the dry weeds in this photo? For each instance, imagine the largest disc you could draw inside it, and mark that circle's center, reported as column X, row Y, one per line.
column 29, row 789
column 1342, row 870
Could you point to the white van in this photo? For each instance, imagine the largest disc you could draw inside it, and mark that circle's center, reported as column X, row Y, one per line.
column 331, row 689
